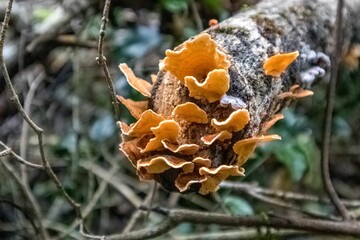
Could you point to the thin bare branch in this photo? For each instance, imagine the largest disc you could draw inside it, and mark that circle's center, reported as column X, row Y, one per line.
column 39, row 131
column 287, row 195
column 243, row 234
column 18, row 158
column 101, row 59
column 140, row 213
column 5, row 152
column 30, row 197
column 325, row 172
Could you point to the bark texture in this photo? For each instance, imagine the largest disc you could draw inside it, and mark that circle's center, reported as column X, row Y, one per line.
column 248, row 39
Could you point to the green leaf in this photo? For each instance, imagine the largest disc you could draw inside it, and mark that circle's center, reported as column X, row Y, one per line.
column 238, row 206
column 307, row 144
column 174, row 6
column 293, row 158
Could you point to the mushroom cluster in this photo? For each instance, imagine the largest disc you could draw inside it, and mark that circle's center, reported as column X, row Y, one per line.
column 172, row 146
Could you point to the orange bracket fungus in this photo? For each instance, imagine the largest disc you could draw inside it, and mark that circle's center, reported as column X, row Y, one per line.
column 135, row 108
column 196, row 58
column 195, row 129
column 190, row 112
column 221, row 136
column 234, row 123
column 276, row 64
column 245, row 147
column 167, row 129
column 138, row 84
column 296, row 92
column 212, row 88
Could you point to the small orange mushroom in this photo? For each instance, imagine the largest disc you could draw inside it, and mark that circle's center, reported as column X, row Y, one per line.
column 277, row 64
column 135, row 108
column 295, row 92
column 213, row 22
column 167, row 129
column 196, row 57
column 160, row 164
column 221, row 136
column 147, row 120
column 234, row 123
column 244, row 148
column 138, row 84
column 190, row 112
column 215, row 86
column 302, row 93
column 184, row 149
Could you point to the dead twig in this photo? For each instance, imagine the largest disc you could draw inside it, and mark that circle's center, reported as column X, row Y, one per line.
column 287, row 195
column 29, row 197
column 39, row 131
column 101, row 59
column 176, row 216
column 325, row 172
column 9, row 151
column 140, row 213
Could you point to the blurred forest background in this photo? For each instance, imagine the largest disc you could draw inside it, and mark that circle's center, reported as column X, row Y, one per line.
column 50, row 52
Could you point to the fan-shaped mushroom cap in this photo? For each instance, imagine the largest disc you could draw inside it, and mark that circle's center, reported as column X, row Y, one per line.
column 185, row 180
column 216, row 175
column 202, row 162
column 276, row 64
column 147, row 120
column 234, row 123
column 195, row 58
column 296, row 91
column 215, row 86
column 245, row 147
column 185, row 149
column 138, row 84
column 221, row 136
column 131, row 151
column 267, row 125
column 135, row 108
column 190, row 112
column 167, row 129
column 162, row 163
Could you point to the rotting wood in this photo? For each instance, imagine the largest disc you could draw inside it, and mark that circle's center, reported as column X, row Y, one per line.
column 249, row 39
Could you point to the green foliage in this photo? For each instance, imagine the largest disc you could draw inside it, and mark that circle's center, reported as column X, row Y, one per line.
column 174, row 6
column 238, row 206
column 40, row 14
column 298, row 150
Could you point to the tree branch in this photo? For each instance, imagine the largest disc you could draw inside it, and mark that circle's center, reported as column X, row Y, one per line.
column 287, row 195
column 325, row 172
column 101, row 59
column 39, row 131
column 176, row 216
